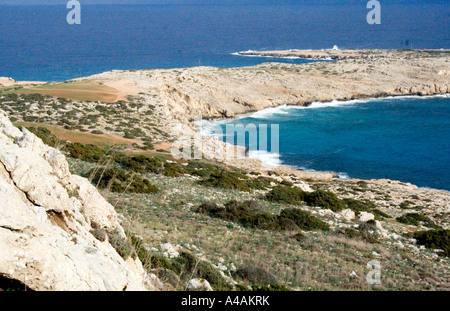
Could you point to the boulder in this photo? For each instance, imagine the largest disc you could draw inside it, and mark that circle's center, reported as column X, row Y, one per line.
column 364, row 216
column 347, row 214
column 170, row 250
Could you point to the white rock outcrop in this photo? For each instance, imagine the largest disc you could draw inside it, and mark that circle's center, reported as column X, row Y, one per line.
column 5, row 81
column 364, row 216
column 348, row 214
column 199, row 285
column 46, row 218
column 169, row 250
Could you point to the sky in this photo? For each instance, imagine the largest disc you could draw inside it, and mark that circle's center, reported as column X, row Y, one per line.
column 63, row 2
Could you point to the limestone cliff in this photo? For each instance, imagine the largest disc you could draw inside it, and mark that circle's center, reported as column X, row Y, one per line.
column 46, row 219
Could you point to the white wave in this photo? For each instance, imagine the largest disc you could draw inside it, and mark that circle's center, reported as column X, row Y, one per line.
column 247, row 55
column 251, row 53
column 446, row 95
column 269, row 112
column 339, row 103
column 343, row 175
column 210, row 128
column 333, row 103
column 272, row 159
column 243, row 53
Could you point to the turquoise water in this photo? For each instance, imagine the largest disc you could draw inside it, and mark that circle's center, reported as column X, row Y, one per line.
column 406, row 139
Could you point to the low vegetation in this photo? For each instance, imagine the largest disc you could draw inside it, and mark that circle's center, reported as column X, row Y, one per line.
column 435, row 239
column 416, row 219
column 119, row 180
column 359, row 206
column 248, row 216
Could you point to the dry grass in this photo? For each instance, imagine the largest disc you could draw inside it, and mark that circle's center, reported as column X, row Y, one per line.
column 320, row 261
column 84, row 91
column 81, row 137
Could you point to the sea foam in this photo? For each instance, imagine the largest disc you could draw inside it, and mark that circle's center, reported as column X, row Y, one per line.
column 269, row 158
column 266, row 56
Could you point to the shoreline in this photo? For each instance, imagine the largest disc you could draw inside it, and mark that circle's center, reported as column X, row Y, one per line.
column 180, row 95
column 334, row 54
column 338, row 175
column 308, row 105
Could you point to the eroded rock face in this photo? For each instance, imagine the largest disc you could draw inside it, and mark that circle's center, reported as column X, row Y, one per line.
column 46, row 215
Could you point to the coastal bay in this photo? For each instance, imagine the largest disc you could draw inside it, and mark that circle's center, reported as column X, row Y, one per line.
column 183, row 94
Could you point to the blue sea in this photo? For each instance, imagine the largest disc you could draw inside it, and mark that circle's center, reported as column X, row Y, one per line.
column 402, row 138
column 405, row 139
column 36, row 42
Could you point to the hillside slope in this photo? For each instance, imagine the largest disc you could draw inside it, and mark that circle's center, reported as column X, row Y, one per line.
column 55, row 228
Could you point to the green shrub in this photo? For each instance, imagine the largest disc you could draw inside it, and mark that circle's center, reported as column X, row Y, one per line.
column 261, row 183
column 201, row 168
column 119, row 180
column 379, row 214
column 299, row 237
column 157, row 261
column 149, row 146
column 359, row 206
column 362, row 184
column 293, row 195
column 304, row 220
column 246, row 215
column 416, row 219
column 359, row 234
column 237, row 211
column 243, row 214
column 285, row 194
column 406, row 205
column 140, row 163
column 241, row 288
column 286, row 183
column 209, row 208
column 325, row 199
column 435, row 239
column 173, row 170
column 226, row 180
column 35, row 97
column 89, row 153
column 254, row 275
